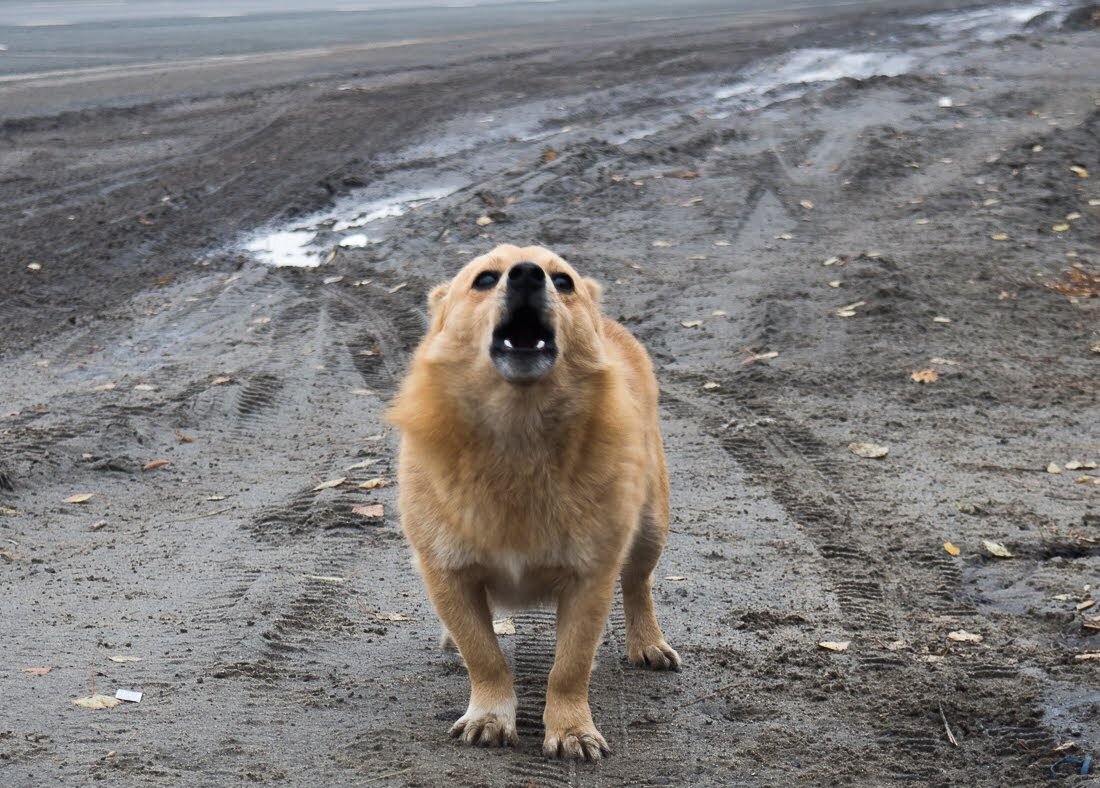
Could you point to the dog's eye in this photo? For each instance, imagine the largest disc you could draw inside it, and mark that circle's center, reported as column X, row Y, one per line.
column 563, row 282
column 486, row 280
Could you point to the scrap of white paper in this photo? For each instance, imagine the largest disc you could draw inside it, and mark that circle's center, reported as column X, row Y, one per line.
column 131, row 695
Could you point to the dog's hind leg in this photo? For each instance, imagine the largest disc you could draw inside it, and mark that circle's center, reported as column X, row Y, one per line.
column 645, row 643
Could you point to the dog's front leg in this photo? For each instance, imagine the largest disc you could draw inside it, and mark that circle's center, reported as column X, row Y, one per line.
column 460, row 601
column 583, row 607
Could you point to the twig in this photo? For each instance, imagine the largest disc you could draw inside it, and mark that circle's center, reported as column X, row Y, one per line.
column 204, row 514
column 950, row 736
column 386, row 776
column 701, row 698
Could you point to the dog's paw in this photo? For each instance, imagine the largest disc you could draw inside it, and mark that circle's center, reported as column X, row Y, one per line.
column 582, row 744
column 655, row 656
column 486, row 728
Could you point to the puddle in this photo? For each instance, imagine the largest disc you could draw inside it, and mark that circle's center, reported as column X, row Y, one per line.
column 307, row 241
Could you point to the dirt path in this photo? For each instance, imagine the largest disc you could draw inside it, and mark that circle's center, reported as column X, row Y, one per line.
column 284, row 638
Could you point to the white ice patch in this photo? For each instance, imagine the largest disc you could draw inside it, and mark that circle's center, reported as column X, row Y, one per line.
column 808, row 66
column 304, row 243
column 986, row 24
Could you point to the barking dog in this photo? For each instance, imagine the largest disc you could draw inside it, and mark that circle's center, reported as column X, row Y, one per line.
column 532, row 472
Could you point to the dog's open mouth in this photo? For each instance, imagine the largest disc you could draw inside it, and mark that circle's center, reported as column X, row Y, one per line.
column 523, row 347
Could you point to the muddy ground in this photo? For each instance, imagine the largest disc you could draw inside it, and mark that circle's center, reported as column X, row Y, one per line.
column 284, row 638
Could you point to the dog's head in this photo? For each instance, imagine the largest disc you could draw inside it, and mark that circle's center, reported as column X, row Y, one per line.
column 525, row 313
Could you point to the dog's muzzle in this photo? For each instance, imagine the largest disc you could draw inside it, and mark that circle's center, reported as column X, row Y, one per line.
column 523, row 347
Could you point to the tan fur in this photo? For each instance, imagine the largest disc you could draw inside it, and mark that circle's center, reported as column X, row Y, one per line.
column 515, row 495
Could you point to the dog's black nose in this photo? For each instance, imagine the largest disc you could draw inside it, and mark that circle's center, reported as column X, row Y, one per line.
column 526, row 277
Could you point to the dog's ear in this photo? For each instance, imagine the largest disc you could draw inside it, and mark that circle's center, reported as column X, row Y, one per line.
column 595, row 291
column 437, row 299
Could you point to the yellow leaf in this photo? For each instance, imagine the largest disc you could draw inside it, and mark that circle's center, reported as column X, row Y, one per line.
column 834, row 645
column 484, row 221
column 950, row 549
column 375, row 483
column 925, row 376
column 79, row 498
column 996, row 548
column 373, row 510
column 1061, row 227
column 962, row 636
column 96, row 701
column 1079, row 171
column 1053, row 468
column 870, row 451
column 999, row 236
column 330, row 484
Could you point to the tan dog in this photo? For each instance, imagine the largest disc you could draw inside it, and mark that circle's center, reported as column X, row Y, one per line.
column 532, row 471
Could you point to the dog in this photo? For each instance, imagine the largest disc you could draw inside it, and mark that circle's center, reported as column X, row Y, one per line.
column 532, row 472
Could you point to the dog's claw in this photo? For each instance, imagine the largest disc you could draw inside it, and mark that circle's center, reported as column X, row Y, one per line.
column 581, row 746
column 488, row 730
column 656, row 656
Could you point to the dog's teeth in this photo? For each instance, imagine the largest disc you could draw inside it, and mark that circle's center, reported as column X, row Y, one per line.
column 541, row 344
column 508, row 344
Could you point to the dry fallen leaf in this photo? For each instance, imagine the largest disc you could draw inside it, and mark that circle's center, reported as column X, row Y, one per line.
column 484, row 221
column 37, row 671
column 835, row 283
column 661, row 244
column 504, row 626
column 145, row 387
column 925, row 376
column 330, row 484
column 373, row 510
column 996, row 548
column 950, row 549
column 1053, row 468
column 1091, row 623
column 334, row 579
column 710, row 385
column 1087, row 656
column 549, row 155
column 79, row 498
column 807, row 204
column 691, row 323
column 962, row 636
column 221, row 381
column 152, row 465
column 122, row 659
column 183, row 438
column 1075, row 465
column 940, row 319
column 96, row 701
column 34, row 266
column 754, row 357
column 784, row 237
column 104, row 387
column 375, row 483
column 1061, row 227
column 870, row 451
column 395, row 288
column 675, row 577
column 999, row 236
column 850, row 309
column 1085, row 605
column 686, row 175
column 922, row 221
column 1079, row 171
column 834, row 645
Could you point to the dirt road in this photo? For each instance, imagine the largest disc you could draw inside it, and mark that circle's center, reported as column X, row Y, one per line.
column 789, row 263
